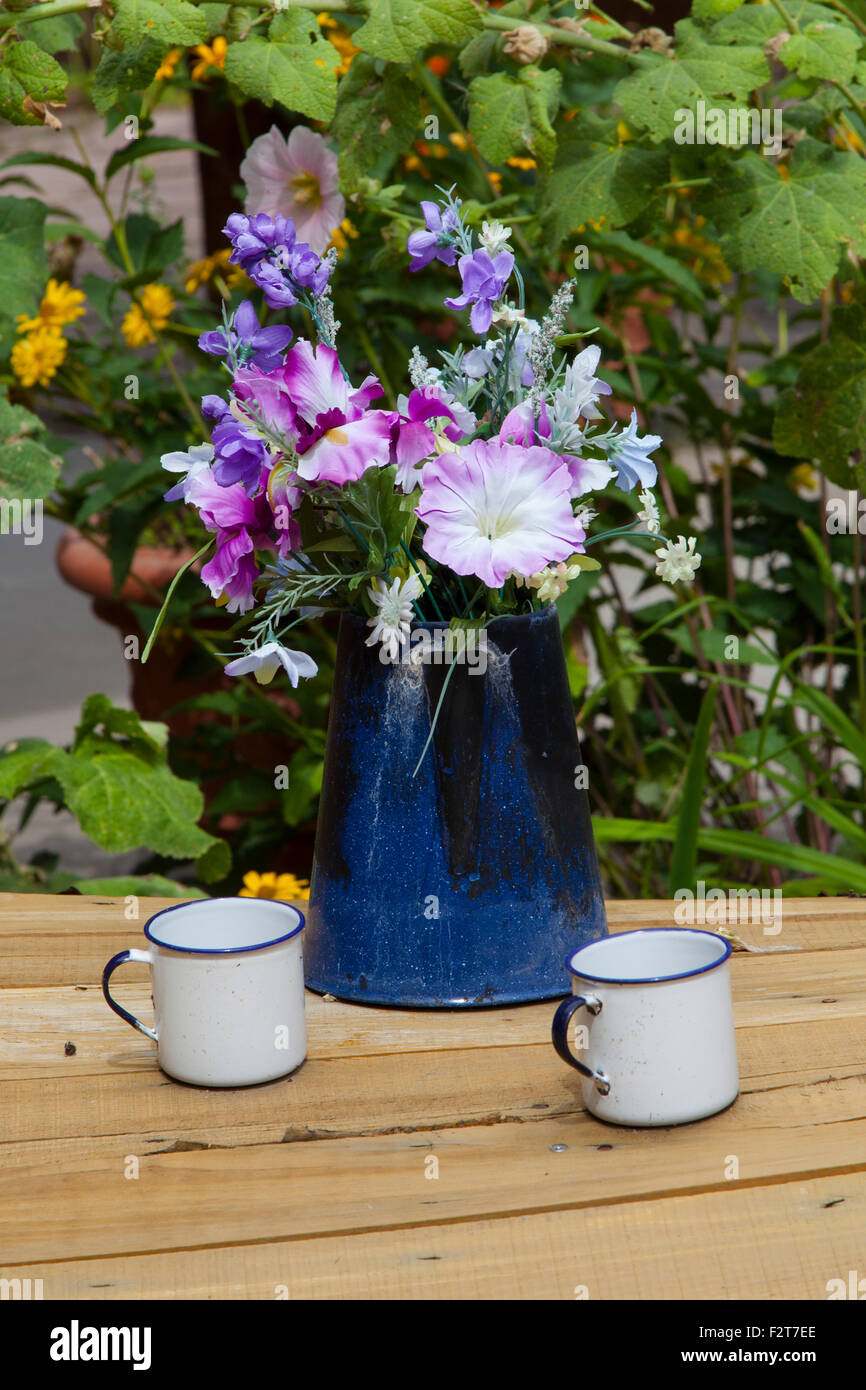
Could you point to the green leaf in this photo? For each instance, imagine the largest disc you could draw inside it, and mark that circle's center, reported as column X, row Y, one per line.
column 297, row 70
column 148, row 145
column 685, row 855
column 23, row 763
column 597, row 179
column 377, row 118
column 122, row 73
column 662, row 87
column 706, row 9
column 58, row 161
column 498, row 116
column 823, row 416
column 27, row 468
column 99, row 711
column 508, row 115
column 397, row 29
column 23, row 269
column 823, row 49
column 26, row 70
column 57, row 35
column 740, row 845
column 794, row 223
column 172, row 23
column 137, row 885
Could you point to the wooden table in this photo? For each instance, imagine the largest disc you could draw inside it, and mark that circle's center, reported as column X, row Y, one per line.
column 322, row 1185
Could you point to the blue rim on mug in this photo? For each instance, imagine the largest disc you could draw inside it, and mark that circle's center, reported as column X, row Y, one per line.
column 223, row 950
column 652, row 979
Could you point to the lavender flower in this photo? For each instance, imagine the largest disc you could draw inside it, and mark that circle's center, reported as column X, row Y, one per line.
column 437, row 242
column 239, row 453
column 484, row 279
column 247, row 342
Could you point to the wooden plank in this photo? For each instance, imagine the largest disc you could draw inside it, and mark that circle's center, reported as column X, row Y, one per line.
column 268, row 1192
column 779, row 1242
column 37, row 1024
column 47, row 940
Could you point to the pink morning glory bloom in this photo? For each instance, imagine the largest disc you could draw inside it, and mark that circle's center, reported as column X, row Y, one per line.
column 492, row 508
column 295, row 177
column 308, row 402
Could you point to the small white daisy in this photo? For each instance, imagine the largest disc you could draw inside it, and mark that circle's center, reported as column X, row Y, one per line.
column 394, row 614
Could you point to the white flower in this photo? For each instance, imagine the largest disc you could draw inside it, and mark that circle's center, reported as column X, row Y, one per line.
column 195, row 461
column 552, row 581
column 678, row 560
column 265, row 663
column 494, row 237
column 584, row 515
column 507, row 314
column 649, row 512
column 394, row 616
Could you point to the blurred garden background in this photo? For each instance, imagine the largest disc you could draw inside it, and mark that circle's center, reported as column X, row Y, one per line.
column 724, row 726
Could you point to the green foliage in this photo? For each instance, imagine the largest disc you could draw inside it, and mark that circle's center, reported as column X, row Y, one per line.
column 22, row 263
column 293, row 66
column 27, row 468
column 116, row 781
column 397, row 29
column 28, row 75
column 823, row 416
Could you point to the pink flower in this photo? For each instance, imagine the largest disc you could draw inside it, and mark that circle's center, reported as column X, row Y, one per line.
column 309, row 403
column 295, row 177
column 493, row 507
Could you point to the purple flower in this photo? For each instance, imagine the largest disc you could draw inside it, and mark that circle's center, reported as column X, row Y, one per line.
column 268, row 250
column 242, row 525
column 239, row 453
column 249, row 341
column 254, row 238
column 436, row 244
column 484, row 279
column 278, row 291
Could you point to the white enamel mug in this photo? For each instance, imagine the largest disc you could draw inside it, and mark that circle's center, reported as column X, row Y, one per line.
column 228, row 990
column 657, row 1044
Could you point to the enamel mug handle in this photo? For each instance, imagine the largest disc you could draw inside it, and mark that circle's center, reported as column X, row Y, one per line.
column 121, row 959
column 561, row 1020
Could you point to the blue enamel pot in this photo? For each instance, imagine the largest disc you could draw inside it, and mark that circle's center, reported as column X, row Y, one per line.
column 465, row 881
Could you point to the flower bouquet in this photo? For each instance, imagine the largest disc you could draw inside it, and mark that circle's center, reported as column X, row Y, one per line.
column 453, row 826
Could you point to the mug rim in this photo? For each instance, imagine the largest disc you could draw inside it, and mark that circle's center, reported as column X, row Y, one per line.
column 652, row 979
column 223, row 950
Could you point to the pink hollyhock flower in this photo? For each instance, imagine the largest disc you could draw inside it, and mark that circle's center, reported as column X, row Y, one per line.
column 492, row 508
column 295, row 177
column 242, row 525
column 309, row 403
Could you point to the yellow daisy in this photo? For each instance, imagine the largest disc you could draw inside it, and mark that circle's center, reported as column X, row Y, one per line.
column 148, row 315
column 211, row 55
column 168, row 65
column 60, row 304
column 36, row 357
column 281, row 886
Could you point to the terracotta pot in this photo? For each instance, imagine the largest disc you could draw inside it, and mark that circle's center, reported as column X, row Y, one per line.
column 85, row 566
